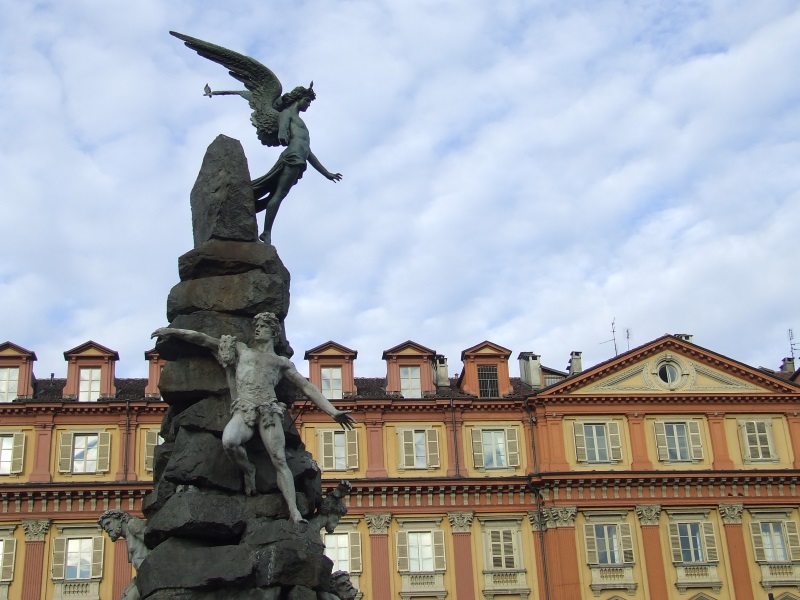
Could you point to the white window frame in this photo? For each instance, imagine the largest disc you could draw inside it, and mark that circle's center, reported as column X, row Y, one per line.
column 8, row 555
column 86, row 386
column 505, row 531
column 612, row 439
column 758, row 430
column 510, row 447
column 12, row 452
column 418, row 448
column 666, row 438
column 61, row 544
column 610, row 575
column 418, row 528
column 410, row 381
column 330, row 376
column 774, row 572
column 67, row 451
column 9, row 387
column 346, row 441
column 152, row 438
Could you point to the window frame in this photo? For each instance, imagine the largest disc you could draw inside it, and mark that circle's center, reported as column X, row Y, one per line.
column 66, row 458
column 693, row 437
column 326, row 445
column 790, row 533
column 706, row 536
column 16, row 452
column 508, row 527
column 613, row 441
column 438, row 550
column 8, row 554
column 485, row 387
column 407, row 390
column 511, row 447
column 90, row 395
column 59, row 557
column 747, row 448
column 5, row 382
column 330, row 391
column 407, row 440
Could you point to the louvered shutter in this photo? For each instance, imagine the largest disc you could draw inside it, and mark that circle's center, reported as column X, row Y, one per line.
column 9, row 553
column 710, row 542
column 438, row 551
column 97, row 557
column 661, row 441
column 407, row 453
column 591, row 544
column 65, row 455
column 402, row 551
column 103, row 452
column 328, row 461
column 793, row 539
column 150, row 443
column 512, row 445
column 18, row 453
column 351, row 444
column 580, row 442
column 695, row 440
column 432, row 440
column 758, row 541
column 627, row 543
column 675, row 543
column 614, row 441
column 354, row 539
column 747, row 432
column 59, row 557
column 477, row 448
column 508, row 549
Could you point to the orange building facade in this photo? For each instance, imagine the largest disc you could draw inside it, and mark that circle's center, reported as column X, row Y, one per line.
column 667, row 473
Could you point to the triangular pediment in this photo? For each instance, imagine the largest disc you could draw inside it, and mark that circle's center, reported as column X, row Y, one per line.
column 330, row 349
column 486, row 348
column 670, row 365
column 11, row 350
column 408, row 348
column 91, row 348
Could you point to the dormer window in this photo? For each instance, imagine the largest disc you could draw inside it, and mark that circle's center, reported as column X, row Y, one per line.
column 89, row 384
column 409, row 370
column 331, row 370
column 485, row 372
column 409, row 382
column 90, row 373
column 9, row 380
column 487, row 381
column 16, row 372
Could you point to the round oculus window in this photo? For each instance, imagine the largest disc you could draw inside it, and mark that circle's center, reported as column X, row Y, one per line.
column 668, row 373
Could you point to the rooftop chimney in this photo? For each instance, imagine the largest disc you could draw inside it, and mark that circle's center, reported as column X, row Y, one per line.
column 574, row 367
column 530, row 369
column 787, row 365
column 440, row 376
column 686, row 337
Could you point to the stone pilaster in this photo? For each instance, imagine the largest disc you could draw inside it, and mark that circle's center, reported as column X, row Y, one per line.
column 378, row 524
column 649, row 516
column 33, row 569
column 461, row 522
column 734, row 536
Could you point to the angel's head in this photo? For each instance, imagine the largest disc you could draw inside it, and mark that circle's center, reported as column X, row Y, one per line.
column 297, row 94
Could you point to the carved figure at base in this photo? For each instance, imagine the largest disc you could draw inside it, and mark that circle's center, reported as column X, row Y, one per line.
column 277, row 121
column 332, row 509
column 253, row 372
column 119, row 524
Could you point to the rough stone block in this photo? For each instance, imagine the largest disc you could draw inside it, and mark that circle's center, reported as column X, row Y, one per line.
column 247, row 293
column 215, row 324
column 222, row 200
column 300, row 592
column 228, row 594
column 218, row 257
column 191, row 379
column 198, row 459
column 273, row 506
column 210, row 414
column 262, row 532
column 179, row 563
column 161, row 454
column 202, row 515
column 293, row 562
column 162, row 491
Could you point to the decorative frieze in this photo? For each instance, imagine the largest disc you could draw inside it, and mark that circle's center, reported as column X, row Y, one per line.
column 378, row 523
column 731, row 513
column 648, row 513
column 35, row 529
column 461, row 522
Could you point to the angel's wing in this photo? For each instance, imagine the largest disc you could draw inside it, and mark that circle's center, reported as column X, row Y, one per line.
column 262, row 84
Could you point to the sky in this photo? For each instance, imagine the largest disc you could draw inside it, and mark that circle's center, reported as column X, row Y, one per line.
column 521, row 171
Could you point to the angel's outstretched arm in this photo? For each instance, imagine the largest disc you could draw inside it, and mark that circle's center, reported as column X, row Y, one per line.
column 314, row 162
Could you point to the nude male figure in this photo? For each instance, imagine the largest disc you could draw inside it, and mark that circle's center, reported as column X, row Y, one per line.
column 253, row 372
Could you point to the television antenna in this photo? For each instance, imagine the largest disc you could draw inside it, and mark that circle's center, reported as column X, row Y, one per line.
column 628, row 336
column 792, row 344
column 613, row 336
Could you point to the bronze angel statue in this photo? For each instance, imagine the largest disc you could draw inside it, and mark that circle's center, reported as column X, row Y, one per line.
column 276, row 117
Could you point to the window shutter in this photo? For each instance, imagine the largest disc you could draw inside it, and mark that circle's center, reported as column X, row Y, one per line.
column 59, row 557
column 407, row 448
column 103, row 451
column 9, row 553
column 675, row 542
column 438, row 551
column 591, row 544
column 97, row 557
column 477, row 448
column 758, row 541
column 495, row 549
column 793, row 539
column 711, row 542
column 150, row 443
column 402, row 551
column 747, row 430
column 351, row 443
column 508, row 549
column 661, row 441
column 512, row 445
column 18, row 453
column 614, row 441
column 432, row 438
column 327, row 450
column 627, row 543
column 65, row 457
column 580, row 442
column 354, row 539
column 695, row 440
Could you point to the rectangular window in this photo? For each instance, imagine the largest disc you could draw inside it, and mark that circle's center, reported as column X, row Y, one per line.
column 597, row 442
column 774, row 542
column 8, row 548
column 332, row 383
column 420, row 551
column 488, row 386
column 495, row 448
column 89, row 384
column 679, row 441
column 419, row 448
column 9, row 378
column 6, row 450
column 757, row 440
column 337, row 549
column 691, row 542
column 12, row 452
column 79, row 558
column 609, row 544
column 409, row 382
column 84, row 454
column 501, row 542
column 339, row 449
column 152, row 438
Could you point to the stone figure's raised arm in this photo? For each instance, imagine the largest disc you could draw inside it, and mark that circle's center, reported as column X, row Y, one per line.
column 309, row 389
column 193, row 337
